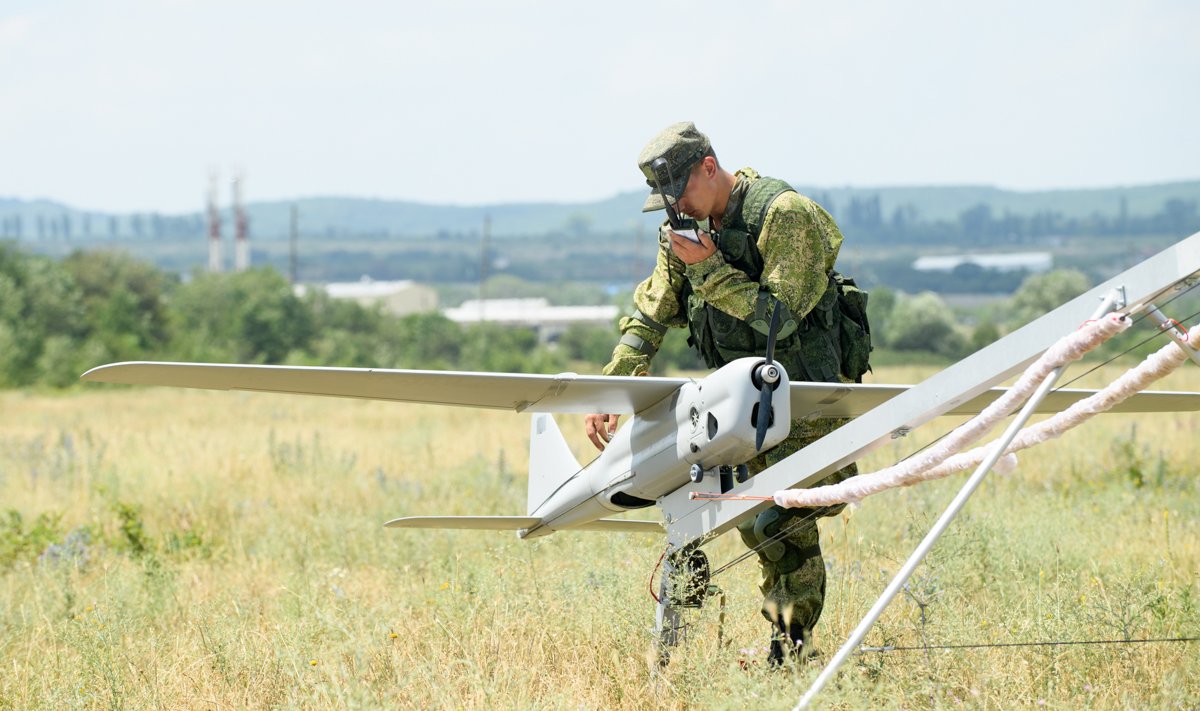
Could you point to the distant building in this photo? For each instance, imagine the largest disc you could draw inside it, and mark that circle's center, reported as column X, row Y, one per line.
column 396, row 297
column 549, row 321
column 1029, row 261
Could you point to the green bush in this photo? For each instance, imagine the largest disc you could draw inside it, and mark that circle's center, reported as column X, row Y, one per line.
column 924, row 323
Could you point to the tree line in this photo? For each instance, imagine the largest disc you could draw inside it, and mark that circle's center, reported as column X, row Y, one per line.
column 981, row 226
column 59, row 318
column 862, row 217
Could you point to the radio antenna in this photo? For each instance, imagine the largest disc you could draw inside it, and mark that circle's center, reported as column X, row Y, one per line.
column 657, row 167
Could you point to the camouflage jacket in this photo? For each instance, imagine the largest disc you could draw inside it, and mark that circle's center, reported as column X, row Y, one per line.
column 799, row 244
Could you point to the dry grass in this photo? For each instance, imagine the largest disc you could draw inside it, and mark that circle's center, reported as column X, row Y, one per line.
column 235, row 559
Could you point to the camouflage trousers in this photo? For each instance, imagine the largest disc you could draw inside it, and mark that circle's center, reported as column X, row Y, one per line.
column 793, row 572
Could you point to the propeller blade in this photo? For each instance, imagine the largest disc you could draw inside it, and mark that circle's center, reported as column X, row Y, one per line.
column 764, row 416
column 764, row 398
column 773, row 331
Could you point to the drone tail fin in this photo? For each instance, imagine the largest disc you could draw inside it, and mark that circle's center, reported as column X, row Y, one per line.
column 550, row 460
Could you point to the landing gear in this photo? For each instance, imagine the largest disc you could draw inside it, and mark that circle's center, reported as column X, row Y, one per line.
column 685, row 583
column 728, row 475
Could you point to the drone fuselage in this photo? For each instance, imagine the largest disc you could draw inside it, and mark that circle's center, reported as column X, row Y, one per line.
column 708, row 423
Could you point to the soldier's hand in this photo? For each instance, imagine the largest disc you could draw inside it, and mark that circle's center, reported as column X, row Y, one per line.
column 688, row 251
column 600, row 428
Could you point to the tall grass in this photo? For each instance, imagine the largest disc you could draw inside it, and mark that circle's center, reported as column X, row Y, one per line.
column 179, row 549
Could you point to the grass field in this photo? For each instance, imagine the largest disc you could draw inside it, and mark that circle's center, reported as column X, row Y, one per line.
column 180, row 549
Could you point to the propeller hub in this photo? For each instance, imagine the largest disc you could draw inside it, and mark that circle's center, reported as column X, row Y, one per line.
column 768, row 373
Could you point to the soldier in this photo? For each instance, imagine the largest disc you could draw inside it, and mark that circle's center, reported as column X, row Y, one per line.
column 760, row 243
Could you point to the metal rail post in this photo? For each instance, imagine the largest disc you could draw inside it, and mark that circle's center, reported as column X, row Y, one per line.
column 1178, row 332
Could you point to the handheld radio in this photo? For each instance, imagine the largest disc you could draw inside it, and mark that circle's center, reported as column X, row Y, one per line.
column 684, row 227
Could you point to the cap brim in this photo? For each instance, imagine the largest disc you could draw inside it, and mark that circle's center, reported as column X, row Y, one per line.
column 654, row 201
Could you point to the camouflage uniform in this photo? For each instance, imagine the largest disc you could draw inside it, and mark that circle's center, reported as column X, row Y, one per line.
column 797, row 244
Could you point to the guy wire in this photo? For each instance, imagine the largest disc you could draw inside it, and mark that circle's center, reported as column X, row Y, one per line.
column 1056, row 643
column 794, row 524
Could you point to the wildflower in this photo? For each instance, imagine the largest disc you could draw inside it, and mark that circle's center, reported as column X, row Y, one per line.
column 445, row 586
column 393, row 635
column 312, row 662
column 74, row 550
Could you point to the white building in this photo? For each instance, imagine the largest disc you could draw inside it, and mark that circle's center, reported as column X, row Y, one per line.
column 549, row 321
column 1029, row 261
column 397, row 297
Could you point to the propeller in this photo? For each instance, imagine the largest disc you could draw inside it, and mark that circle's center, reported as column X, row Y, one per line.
column 767, row 376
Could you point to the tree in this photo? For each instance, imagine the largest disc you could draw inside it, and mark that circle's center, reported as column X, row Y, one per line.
column 879, row 311
column 492, row 347
column 984, row 334
column 587, row 342
column 124, row 302
column 1044, row 292
column 38, row 301
column 976, row 222
column 250, row 316
column 923, row 323
column 675, row 353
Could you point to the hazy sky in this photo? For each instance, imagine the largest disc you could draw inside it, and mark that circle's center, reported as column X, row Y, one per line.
column 127, row 104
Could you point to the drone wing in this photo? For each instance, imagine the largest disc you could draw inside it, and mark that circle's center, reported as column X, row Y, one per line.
column 517, row 523
column 562, row 393
column 520, row 392
column 853, row 400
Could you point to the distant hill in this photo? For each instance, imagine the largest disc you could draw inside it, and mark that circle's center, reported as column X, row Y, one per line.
column 948, row 202
column 46, row 220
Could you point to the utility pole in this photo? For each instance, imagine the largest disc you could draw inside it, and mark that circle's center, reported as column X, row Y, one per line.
column 241, row 238
column 483, row 264
column 292, row 244
column 214, row 226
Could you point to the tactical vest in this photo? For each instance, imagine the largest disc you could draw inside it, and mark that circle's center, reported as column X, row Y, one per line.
column 828, row 342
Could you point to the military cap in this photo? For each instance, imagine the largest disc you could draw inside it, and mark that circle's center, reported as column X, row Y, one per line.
column 682, row 146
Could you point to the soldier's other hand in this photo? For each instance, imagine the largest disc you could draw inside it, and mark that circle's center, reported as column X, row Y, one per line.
column 688, row 251
column 600, row 428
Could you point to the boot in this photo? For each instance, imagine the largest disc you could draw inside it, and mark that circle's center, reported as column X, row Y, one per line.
column 788, row 640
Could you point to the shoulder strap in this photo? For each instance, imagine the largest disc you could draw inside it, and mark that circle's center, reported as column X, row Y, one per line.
column 762, row 193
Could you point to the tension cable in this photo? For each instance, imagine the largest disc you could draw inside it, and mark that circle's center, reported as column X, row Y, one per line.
column 998, row 645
